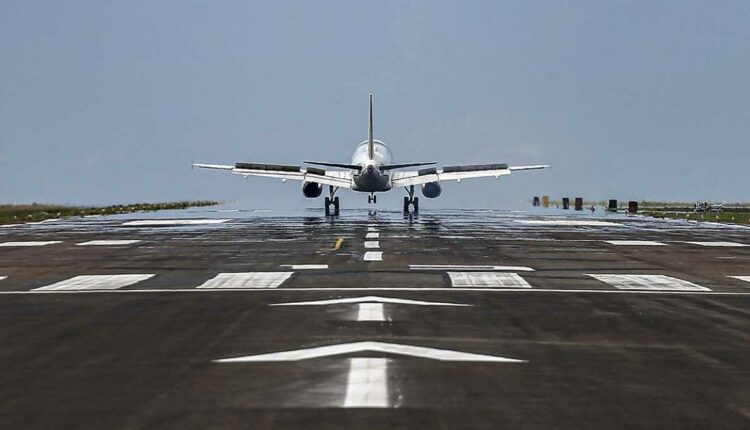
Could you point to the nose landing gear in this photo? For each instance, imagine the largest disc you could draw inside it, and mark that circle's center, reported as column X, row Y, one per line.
column 411, row 201
column 372, row 198
column 333, row 200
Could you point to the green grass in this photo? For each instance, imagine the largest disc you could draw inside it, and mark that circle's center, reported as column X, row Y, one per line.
column 15, row 214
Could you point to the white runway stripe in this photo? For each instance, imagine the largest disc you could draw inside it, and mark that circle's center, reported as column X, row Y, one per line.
column 469, row 267
column 372, row 244
column 107, row 242
column 370, row 312
column 168, row 222
column 373, row 256
column 372, row 236
column 305, row 266
column 720, row 244
column 30, row 243
column 571, row 223
column 96, row 282
column 247, row 280
column 371, row 228
column 648, row 282
column 368, row 299
column 367, row 386
column 487, row 279
column 3, row 277
column 635, row 242
column 741, row 278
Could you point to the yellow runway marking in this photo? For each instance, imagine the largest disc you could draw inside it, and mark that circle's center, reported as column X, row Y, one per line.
column 339, row 242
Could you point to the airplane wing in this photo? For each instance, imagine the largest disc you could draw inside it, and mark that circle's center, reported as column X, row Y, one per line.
column 312, row 174
column 447, row 173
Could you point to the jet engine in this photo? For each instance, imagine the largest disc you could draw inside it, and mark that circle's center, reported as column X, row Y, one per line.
column 431, row 190
column 312, row 189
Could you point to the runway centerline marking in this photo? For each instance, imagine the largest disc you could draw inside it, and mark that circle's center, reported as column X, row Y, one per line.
column 305, row 266
column 487, row 279
column 370, row 312
column 741, row 278
column 372, row 236
column 368, row 299
column 3, row 277
column 719, row 244
column 367, row 384
column 635, row 243
column 647, row 282
column 108, row 242
column 168, row 222
column 30, row 243
column 370, row 346
column 246, row 280
column 372, row 244
column 469, row 267
column 96, row 282
column 373, row 256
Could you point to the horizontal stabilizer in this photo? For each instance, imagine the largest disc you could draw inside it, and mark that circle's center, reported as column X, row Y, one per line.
column 404, row 165
column 339, row 165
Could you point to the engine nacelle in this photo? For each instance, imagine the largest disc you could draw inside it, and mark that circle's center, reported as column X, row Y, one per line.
column 312, row 189
column 431, row 190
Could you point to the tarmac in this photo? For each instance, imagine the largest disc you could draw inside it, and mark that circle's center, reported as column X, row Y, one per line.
column 468, row 319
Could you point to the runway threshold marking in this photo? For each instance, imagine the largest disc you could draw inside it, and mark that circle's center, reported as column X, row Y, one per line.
column 370, row 312
column 635, row 243
column 372, row 244
column 108, row 242
column 3, row 277
column 367, row 384
column 246, row 280
column 373, row 256
column 741, row 278
column 369, row 346
column 305, row 266
column 172, row 222
column 339, row 242
column 30, row 243
column 372, row 236
column 647, row 282
column 368, row 299
column 487, row 279
column 96, row 282
column 469, row 267
column 719, row 244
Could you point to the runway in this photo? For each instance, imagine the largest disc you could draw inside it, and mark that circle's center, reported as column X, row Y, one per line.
column 450, row 319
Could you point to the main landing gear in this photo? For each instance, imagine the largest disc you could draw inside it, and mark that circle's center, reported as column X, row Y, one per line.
column 411, row 200
column 332, row 201
column 372, row 198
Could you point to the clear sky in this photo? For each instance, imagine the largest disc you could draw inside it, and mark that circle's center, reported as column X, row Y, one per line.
column 111, row 101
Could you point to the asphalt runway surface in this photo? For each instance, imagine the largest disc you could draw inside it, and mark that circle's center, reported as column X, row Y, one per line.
column 452, row 319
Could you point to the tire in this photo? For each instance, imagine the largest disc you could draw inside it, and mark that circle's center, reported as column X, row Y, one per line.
column 406, row 205
column 328, row 206
column 336, row 205
column 374, row 199
column 416, row 204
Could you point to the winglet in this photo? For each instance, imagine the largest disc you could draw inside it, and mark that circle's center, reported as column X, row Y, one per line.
column 370, row 142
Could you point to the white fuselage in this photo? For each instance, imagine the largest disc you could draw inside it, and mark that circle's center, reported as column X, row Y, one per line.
column 370, row 178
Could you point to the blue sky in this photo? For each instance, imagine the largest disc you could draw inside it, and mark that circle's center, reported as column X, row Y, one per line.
column 104, row 102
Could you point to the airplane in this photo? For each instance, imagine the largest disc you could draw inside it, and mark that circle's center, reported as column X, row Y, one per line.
column 372, row 171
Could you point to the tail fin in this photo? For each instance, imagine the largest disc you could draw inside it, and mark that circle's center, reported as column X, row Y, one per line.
column 370, row 142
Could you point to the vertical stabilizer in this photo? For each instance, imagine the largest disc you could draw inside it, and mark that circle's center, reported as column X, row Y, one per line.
column 370, row 142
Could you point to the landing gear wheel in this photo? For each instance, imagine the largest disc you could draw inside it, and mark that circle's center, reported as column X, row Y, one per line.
column 415, row 202
column 374, row 199
column 328, row 206
column 336, row 205
column 406, row 205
